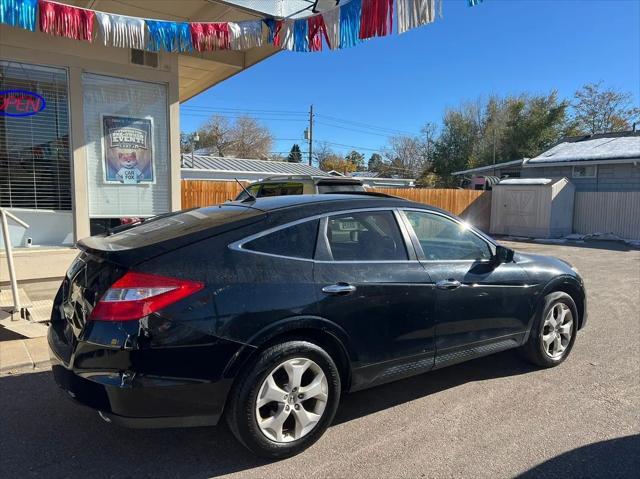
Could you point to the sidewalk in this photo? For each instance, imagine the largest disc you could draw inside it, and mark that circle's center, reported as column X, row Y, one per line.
column 23, row 355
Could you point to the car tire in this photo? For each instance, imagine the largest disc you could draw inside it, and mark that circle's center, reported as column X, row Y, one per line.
column 269, row 374
column 549, row 331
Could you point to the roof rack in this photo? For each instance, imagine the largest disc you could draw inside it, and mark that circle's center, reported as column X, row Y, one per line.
column 369, row 193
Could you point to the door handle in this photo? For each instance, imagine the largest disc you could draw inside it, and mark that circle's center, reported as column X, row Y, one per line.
column 339, row 289
column 448, row 284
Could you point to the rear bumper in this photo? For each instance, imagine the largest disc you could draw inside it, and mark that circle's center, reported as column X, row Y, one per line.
column 141, row 400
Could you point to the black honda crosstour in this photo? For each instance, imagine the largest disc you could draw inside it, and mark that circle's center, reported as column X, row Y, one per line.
column 265, row 311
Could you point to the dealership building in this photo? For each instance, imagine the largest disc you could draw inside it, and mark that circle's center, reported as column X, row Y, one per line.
column 90, row 133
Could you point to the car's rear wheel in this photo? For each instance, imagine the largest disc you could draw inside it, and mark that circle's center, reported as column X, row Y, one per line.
column 553, row 332
column 286, row 399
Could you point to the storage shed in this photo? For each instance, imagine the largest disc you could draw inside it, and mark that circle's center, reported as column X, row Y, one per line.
column 532, row 207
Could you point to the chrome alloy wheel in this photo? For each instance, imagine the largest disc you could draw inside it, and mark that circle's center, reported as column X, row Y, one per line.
column 557, row 330
column 291, row 400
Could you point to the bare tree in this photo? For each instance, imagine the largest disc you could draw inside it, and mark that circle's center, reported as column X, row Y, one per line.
column 215, row 135
column 406, row 157
column 322, row 151
column 600, row 110
column 250, row 139
column 245, row 138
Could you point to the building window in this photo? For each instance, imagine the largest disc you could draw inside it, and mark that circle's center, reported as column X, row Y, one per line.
column 127, row 138
column 35, row 162
column 590, row 171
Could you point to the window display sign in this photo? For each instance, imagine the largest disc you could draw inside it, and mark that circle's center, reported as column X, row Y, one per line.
column 20, row 103
column 127, row 150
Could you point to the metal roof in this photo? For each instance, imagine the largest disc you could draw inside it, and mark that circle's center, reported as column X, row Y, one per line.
column 606, row 148
column 285, row 8
column 481, row 169
column 241, row 165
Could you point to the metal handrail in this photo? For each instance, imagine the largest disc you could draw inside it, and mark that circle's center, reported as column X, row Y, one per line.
column 8, row 248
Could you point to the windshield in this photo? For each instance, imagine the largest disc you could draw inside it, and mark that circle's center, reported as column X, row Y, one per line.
column 333, row 187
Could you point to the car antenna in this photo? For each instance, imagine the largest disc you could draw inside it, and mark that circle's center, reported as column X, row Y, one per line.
column 249, row 197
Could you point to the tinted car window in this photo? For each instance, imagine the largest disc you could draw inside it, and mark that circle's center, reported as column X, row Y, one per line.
column 280, row 189
column 333, row 187
column 298, row 241
column 253, row 189
column 365, row 236
column 444, row 239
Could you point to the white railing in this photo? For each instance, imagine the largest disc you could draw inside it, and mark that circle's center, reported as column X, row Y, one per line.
column 9, row 251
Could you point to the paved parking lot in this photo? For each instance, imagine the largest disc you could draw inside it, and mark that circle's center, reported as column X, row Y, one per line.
column 492, row 417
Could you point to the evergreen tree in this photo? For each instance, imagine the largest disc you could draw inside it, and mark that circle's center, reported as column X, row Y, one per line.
column 295, row 155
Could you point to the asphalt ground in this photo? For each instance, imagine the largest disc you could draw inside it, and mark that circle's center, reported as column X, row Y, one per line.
column 491, row 417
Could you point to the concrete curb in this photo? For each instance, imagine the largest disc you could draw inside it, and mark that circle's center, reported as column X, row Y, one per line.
column 23, row 355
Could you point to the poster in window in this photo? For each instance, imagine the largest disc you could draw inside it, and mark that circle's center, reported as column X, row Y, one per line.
column 127, row 150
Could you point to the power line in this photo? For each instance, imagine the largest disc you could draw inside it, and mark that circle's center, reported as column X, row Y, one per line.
column 365, row 125
column 348, row 146
column 342, row 127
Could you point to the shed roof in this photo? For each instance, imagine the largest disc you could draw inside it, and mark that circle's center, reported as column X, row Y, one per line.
column 241, row 165
column 620, row 147
column 482, row 169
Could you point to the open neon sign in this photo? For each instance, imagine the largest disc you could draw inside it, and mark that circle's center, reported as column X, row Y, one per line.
column 20, row 103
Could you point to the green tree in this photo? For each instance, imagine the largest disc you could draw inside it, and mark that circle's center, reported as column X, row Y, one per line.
column 357, row 159
column 598, row 109
column 295, row 155
column 375, row 163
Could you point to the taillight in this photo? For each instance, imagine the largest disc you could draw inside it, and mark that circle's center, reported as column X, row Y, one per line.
column 137, row 295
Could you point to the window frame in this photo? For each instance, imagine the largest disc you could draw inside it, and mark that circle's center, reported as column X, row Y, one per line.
column 595, row 171
column 322, row 252
column 418, row 247
column 323, row 248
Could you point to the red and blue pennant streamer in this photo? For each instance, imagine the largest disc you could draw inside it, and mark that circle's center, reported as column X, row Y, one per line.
column 169, row 36
column 345, row 25
column 66, row 21
column 19, row 13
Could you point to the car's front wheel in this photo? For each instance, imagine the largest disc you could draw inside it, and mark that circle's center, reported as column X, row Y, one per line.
column 285, row 401
column 553, row 332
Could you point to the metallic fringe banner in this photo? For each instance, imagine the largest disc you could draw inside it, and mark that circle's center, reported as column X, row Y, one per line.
column 169, row 36
column 121, row 31
column 332, row 27
column 316, row 28
column 301, row 35
column 376, row 18
column 286, row 35
column 414, row 13
column 19, row 13
column 350, row 23
column 66, row 21
column 208, row 37
column 245, row 35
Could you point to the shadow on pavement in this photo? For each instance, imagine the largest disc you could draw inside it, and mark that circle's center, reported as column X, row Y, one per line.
column 43, row 433
column 614, row 458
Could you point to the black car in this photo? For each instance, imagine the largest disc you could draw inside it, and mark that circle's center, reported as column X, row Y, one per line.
column 266, row 311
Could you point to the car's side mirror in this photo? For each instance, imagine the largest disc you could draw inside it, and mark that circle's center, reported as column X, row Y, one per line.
column 503, row 255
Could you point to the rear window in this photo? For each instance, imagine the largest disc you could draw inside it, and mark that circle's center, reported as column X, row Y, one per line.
column 280, row 189
column 297, row 241
column 170, row 226
column 334, row 187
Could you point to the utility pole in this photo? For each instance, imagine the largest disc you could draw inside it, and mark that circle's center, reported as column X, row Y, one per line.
column 310, row 134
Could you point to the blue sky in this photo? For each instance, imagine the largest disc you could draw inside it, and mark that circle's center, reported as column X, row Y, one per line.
column 399, row 82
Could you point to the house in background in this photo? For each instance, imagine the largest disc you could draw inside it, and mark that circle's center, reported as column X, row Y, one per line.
column 604, row 162
column 217, row 168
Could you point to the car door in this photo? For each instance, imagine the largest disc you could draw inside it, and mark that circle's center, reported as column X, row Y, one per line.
column 481, row 305
column 369, row 281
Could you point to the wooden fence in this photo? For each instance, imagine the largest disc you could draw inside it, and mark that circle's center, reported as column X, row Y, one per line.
column 607, row 212
column 473, row 206
column 196, row 193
